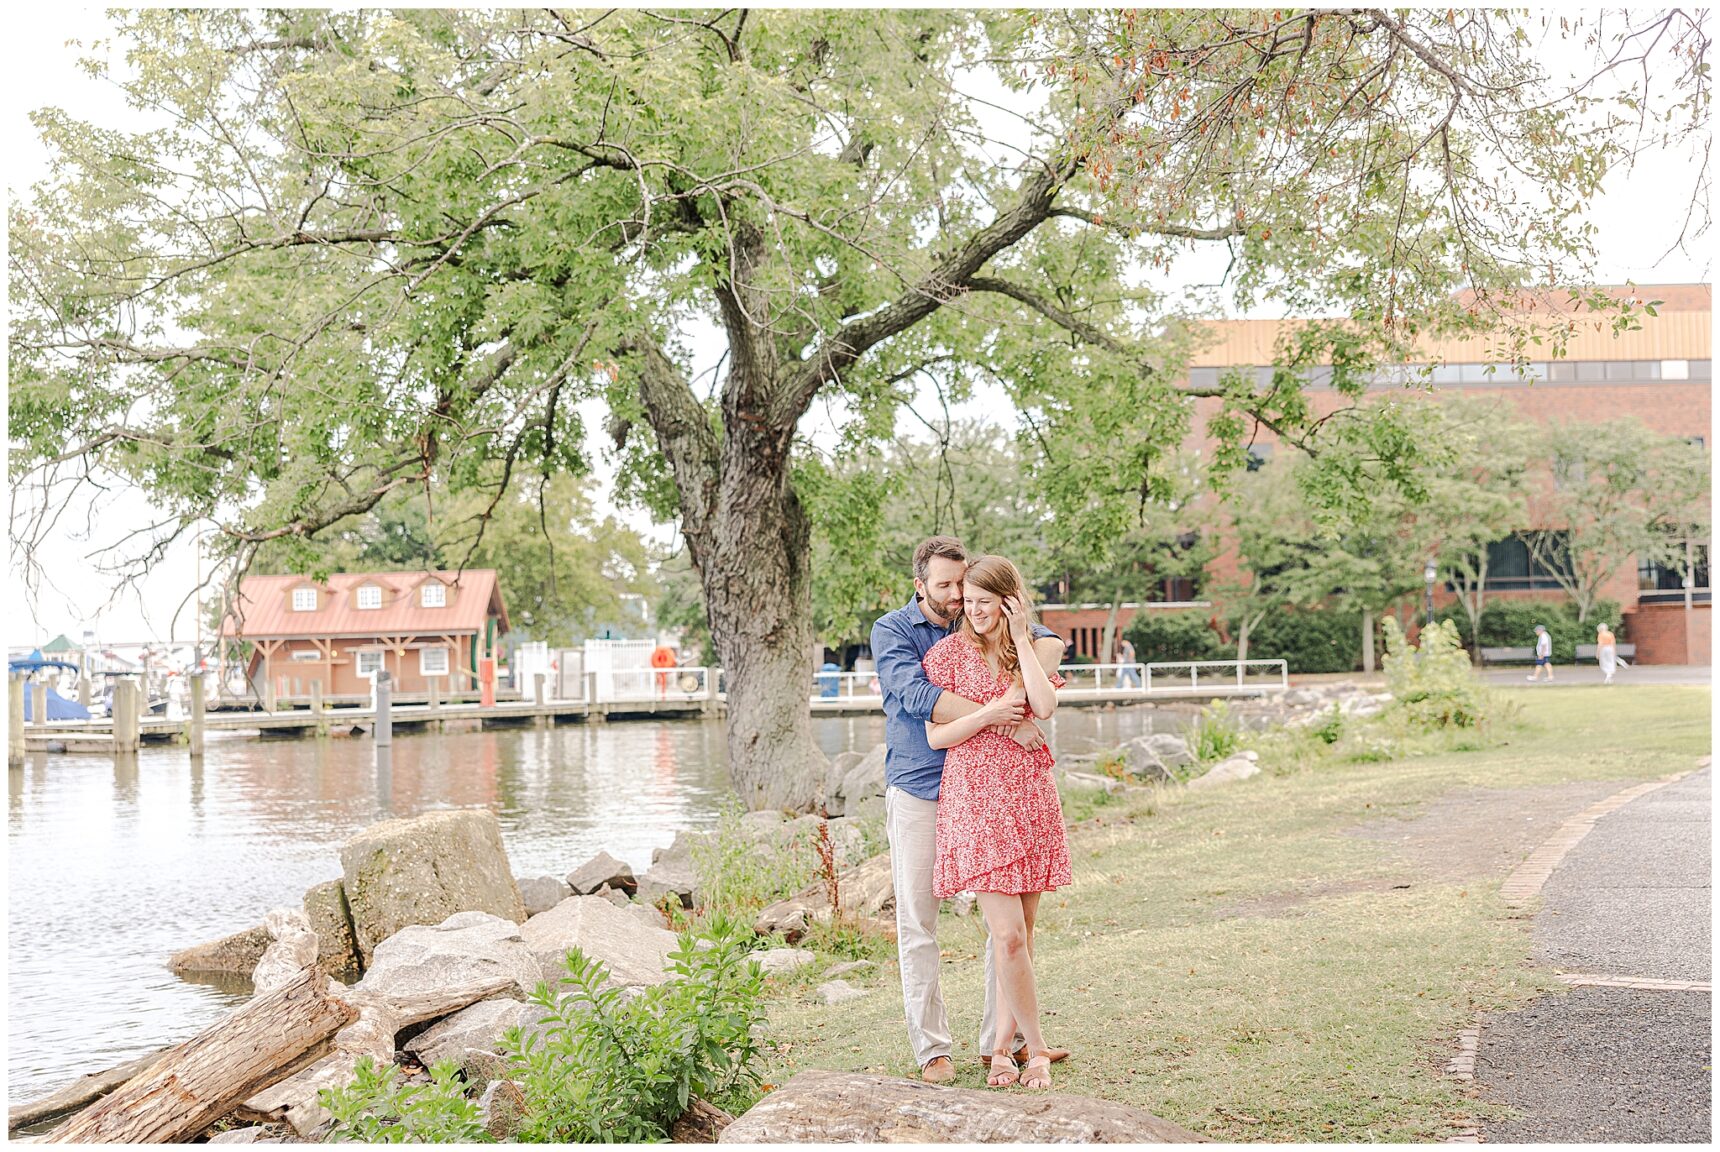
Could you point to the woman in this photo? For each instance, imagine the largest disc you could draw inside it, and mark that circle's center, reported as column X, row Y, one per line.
column 1606, row 653
column 1000, row 826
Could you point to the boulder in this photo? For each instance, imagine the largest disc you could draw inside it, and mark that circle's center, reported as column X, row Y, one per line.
column 601, row 871
column 864, row 890
column 839, row 992
column 331, row 919
column 840, row 765
column 541, row 893
column 500, row 1109
column 702, row 1123
column 1090, row 781
column 647, row 915
column 1235, row 768
column 819, row 1107
column 633, row 952
column 478, row 1026
column 1171, row 750
column 422, row 870
column 781, row 961
column 426, row 971
column 862, row 782
column 619, row 899
column 963, row 903
column 669, row 880
column 250, row 1134
column 238, row 953
column 850, row 966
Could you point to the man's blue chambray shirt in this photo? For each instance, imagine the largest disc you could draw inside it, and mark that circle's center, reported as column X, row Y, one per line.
column 900, row 641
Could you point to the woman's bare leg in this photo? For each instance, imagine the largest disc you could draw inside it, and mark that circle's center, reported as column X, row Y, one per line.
column 1020, row 998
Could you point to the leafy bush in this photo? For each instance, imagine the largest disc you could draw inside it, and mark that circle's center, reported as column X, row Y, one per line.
column 620, row 1065
column 1173, row 636
column 1511, row 624
column 1433, row 687
column 376, row 1108
column 1331, row 729
column 1215, row 733
column 1309, row 639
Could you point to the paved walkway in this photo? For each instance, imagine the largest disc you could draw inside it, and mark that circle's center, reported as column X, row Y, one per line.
column 1517, row 675
column 1625, row 919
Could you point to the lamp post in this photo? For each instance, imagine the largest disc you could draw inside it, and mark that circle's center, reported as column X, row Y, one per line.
column 1430, row 574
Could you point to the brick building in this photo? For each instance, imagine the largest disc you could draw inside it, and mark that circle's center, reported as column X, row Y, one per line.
column 420, row 626
column 1660, row 375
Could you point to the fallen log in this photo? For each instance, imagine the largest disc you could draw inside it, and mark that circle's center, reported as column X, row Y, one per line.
column 84, row 1090
column 818, row 1107
column 200, row 1081
column 702, row 1123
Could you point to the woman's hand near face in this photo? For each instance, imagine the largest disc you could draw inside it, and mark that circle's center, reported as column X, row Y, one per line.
column 1018, row 627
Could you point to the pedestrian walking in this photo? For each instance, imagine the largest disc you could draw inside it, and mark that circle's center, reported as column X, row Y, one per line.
column 1606, row 652
column 1129, row 675
column 1543, row 653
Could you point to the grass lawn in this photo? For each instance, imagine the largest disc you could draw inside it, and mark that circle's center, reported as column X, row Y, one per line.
column 1242, row 962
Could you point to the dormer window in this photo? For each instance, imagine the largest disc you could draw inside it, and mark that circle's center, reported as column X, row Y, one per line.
column 433, row 595
column 304, row 599
column 369, row 596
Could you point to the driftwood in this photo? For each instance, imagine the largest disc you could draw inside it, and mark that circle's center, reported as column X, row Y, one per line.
column 84, row 1090
column 819, row 1107
column 701, row 1123
column 205, row 1078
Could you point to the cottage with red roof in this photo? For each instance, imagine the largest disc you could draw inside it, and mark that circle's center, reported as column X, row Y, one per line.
column 420, row 626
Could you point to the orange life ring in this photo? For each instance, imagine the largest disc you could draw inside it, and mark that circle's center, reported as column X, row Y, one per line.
column 663, row 657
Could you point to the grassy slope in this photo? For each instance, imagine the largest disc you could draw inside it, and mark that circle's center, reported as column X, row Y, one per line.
column 1326, row 1018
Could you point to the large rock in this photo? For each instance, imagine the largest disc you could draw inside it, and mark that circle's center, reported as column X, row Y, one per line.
column 238, row 953
column 331, row 920
column 541, row 893
column 426, row 971
column 501, row 1108
column 633, row 952
column 862, row 782
column 781, row 961
column 839, row 992
column 1239, row 767
column 818, row 1107
column 602, row 871
column 1093, row 783
column 840, row 765
column 864, row 891
column 423, row 870
column 1171, row 750
column 478, row 1026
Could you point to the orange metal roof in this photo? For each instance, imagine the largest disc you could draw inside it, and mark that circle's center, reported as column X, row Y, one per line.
column 265, row 605
column 1681, row 331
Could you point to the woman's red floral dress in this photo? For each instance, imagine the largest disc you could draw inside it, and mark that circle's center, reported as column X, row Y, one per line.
column 1000, row 825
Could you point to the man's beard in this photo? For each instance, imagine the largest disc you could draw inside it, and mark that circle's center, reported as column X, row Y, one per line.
column 950, row 610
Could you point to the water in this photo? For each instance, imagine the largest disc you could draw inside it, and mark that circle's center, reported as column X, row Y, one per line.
column 114, row 866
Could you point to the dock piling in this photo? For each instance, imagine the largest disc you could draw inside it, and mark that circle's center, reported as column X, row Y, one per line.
column 127, row 716
column 15, row 721
column 39, row 703
column 383, row 730
column 320, row 721
column 194, row 725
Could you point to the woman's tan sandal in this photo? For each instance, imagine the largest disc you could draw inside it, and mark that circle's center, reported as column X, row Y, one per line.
column 1037, row 1073
column 1003, row 1070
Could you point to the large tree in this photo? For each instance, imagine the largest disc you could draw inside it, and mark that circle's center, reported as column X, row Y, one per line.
column 365, row 249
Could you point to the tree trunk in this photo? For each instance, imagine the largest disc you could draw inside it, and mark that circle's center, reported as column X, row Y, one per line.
column 701, row 1123
column 754, row 561
column 850, row 1107
column 209, row 1075
column 82, row 1091
column 1108, row 644
column 1367, row 639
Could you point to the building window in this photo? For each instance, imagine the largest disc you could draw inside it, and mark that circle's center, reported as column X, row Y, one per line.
column 306, row 655
column 304, row 599
column 433, row 661
column 1512, row 567
column 433, row 595
column 368, row 663
column 370, row 596
column 1652, row 576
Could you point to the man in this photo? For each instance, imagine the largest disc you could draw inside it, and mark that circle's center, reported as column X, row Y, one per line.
column 912, row 774
column 1543, row 653
column 1129, row 675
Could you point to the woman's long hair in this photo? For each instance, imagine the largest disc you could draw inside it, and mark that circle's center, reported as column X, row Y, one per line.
column 1001, row 578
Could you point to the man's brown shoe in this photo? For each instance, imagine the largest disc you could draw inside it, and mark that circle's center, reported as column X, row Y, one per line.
column 938, row 1070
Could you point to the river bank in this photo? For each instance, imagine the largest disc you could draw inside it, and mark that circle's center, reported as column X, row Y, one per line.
column 1294, row 956
column 114, row 866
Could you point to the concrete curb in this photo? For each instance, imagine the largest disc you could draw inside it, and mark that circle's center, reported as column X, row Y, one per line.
column 1641, row 983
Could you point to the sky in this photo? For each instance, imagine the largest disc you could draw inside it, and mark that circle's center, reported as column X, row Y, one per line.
column 1638, row 215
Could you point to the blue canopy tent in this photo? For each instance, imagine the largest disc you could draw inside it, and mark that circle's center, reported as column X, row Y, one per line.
column 59, row 708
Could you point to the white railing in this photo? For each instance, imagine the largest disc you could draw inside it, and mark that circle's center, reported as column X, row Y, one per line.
column 1104, row 677
column 637, row 684
column 1168, row 675
column 846, row 686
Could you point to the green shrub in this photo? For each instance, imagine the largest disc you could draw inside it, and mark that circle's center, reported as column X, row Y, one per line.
column 621, row 1065
column 1433, row 686
column 1309, row 639
column 376, row 1108
column 1511, row 624
column 1215, row 733
column 1178, row 635
column 1331, row 729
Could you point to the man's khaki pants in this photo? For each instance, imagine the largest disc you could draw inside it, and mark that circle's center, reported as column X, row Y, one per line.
column 911, row 824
